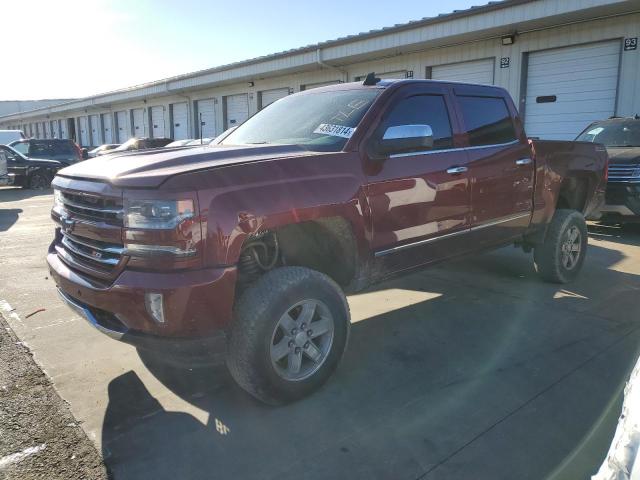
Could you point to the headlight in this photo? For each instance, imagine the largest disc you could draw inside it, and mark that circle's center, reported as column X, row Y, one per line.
column 157, row 214
column 58, row 204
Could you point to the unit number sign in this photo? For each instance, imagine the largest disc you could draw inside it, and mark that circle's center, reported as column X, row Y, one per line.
column 630, row 43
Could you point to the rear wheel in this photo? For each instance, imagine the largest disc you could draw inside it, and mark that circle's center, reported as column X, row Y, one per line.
column 560, row 257
column 289, row 333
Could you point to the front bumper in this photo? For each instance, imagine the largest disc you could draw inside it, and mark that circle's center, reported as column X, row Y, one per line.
column 622, row 200
column 197, row 304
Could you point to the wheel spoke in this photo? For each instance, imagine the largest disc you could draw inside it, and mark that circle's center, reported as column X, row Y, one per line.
column 295, row 361
column 565, row 260
column 287, row 323
column 306, row 315
column 280, row 350
column 321, row 327
column 313, row 352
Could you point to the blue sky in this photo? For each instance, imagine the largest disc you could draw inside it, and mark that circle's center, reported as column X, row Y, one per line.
column 115, row 44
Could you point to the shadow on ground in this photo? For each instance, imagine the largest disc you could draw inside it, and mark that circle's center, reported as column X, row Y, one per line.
column 494, row 375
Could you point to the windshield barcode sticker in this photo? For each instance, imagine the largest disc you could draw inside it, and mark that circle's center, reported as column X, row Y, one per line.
column 334, row 130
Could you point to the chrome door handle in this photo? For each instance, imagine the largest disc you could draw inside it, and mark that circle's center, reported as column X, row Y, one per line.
column 456, row 170
column 523, row 161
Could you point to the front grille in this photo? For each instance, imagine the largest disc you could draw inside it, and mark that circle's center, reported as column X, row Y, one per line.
column 93, row 207
column 624, row 173
column 90, row 240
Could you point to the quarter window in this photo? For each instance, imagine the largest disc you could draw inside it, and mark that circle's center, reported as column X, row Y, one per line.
column 487, row 120
column 423, row 110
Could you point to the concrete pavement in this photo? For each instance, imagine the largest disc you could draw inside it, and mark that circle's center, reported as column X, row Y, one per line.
column 475, row 369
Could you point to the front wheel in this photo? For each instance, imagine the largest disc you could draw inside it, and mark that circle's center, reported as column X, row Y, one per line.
column 560, row 257
column 38, row 181
column 289, row 333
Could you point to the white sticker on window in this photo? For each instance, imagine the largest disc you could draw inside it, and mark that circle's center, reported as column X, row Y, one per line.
column 334, row 130
column 595, row 131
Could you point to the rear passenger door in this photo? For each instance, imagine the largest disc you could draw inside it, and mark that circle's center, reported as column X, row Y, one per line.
column 419, row 200
column 500, row 165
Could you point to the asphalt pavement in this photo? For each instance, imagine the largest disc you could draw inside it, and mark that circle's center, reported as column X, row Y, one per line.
column 473, row 369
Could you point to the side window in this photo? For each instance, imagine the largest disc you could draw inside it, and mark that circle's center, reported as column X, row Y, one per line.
column 423, row 110
column 487, row 120
column 22, row 147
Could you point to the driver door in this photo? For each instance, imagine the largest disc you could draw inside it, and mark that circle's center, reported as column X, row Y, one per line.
column 419, row 200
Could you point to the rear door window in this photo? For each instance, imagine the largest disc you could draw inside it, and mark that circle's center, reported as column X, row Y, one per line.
column 40, row 149
column 487, row 120
column 22, row 148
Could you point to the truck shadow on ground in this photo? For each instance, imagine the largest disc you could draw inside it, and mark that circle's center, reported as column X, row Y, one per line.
column 492, row 361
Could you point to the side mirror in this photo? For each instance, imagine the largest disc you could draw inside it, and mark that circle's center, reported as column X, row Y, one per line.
column 85, row 153
column 405, row 139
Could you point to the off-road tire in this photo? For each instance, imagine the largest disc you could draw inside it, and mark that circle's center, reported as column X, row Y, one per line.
column 548, row 255
column 256, row 316
column 38, row 181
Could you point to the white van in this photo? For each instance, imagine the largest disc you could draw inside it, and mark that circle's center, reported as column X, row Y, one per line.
column 8, row 136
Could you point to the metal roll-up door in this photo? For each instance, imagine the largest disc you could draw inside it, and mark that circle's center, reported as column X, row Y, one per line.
column 107, row 128
column 207, row 118
column 84, row 131
column 267, row 97
column 237, row 109
column 63, row 129
column 55, row 130
column 568, row 88
column 157, row 121
column 123, row 131
column 96, row 137
column 180, row 121
column 46, row 128
column 137, row 116
column 475, row 71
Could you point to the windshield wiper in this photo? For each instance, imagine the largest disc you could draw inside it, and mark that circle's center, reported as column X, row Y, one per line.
column 257, row 143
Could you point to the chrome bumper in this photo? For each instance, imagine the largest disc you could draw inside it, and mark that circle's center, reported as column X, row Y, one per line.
column 86, row 313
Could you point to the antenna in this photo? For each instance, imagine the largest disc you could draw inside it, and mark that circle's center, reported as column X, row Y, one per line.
column 371, row 79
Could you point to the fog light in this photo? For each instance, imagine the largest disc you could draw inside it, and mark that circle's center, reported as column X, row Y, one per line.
column 155, row 306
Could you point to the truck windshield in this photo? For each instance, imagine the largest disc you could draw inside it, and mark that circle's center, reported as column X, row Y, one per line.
column 322, row 121
column 613, row 134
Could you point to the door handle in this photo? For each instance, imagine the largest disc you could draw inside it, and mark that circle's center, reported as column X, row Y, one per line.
column 523, row 161
column 456, row 170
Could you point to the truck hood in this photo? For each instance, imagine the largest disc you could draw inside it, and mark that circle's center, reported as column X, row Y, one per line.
column 623, row 155
column 150, row 168
column 42, row 162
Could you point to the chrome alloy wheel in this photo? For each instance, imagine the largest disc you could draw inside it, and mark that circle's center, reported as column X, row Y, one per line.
column 570, row 248
column 302, row 340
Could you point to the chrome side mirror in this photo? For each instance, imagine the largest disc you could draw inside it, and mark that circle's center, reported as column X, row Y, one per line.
column 405, row 138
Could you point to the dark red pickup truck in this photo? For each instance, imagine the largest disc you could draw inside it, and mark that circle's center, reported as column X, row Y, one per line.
column 247, row 246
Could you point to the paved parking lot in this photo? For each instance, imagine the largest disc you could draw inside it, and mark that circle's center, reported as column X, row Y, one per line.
column 475, row 369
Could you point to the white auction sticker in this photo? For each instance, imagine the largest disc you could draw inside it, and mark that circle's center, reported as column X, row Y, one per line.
column 334, row 130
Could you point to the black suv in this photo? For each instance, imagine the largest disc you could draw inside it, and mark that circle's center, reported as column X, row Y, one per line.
column 65, row 151
column 621, row 136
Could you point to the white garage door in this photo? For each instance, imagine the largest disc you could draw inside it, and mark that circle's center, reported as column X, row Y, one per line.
column 475, row 71
column 267, row 97
column 55, row 130
column 63, row 129
column 157, row 121
column 568, row 88
column 237, row 109
column 96, row 137
column 47, row 129
column 180, row 121
column 207, row 118
column 138, row 122
column 107, row 129
column 123, row 131
column 84, row 132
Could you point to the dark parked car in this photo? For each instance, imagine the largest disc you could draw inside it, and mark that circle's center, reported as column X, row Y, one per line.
column 35, row 173
column 253, row 241
column 621, row 137
column 63, row 150
column 139, row 144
